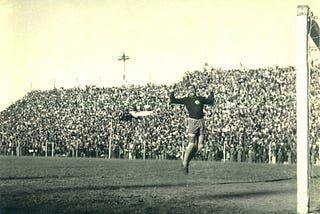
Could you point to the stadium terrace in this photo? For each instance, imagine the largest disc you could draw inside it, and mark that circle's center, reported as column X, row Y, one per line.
column 253, row 120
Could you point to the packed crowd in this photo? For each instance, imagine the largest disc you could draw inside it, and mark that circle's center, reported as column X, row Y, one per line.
column 253, row 119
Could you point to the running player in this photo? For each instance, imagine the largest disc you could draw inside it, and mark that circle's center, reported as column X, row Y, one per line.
column 196, row 128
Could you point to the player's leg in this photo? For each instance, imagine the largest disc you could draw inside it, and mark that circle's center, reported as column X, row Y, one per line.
column 193, row 130
column 200, row 143
column 194, row 150
column 189, row 150
column 197, row 148
column 183, row 149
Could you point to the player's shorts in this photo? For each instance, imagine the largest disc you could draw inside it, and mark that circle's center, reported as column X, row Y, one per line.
column 196, row 126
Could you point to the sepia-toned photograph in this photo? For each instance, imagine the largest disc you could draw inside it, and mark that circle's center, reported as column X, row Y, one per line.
column 160, row 106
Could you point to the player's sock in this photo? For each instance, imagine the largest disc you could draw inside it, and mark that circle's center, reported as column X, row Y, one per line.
column 192, row 154
column 187, row 154
column 199, row 148
column 182, row 153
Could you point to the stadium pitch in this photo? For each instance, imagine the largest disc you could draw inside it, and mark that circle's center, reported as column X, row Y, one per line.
column 93, row 185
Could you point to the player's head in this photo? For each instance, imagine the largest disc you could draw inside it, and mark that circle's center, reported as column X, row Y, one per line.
column 192, row 91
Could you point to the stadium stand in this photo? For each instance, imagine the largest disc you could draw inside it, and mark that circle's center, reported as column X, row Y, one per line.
column 253, row 119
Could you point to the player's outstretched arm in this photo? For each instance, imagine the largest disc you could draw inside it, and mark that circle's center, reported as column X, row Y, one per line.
column 172, row 98
column 210, row 99
column 171, row 94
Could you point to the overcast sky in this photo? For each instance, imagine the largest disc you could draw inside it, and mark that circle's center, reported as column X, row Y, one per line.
column 78, row 42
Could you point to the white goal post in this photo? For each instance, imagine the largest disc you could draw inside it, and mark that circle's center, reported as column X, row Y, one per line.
column 302, row 84
column 303, row 30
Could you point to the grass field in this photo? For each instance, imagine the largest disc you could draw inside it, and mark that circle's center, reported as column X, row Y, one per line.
column 85, row 185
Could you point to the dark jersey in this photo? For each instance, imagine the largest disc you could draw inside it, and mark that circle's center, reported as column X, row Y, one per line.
column 194, row 104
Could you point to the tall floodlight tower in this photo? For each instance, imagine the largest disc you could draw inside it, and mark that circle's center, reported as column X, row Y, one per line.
column 124, row 58
column 306, row 27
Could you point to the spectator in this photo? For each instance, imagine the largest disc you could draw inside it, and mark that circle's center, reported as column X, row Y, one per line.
column 254, row 107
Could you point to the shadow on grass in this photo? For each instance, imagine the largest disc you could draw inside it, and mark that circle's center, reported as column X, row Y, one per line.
column 129, row 186
column 245, row 194
column 234, row 194
column 88, row 176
